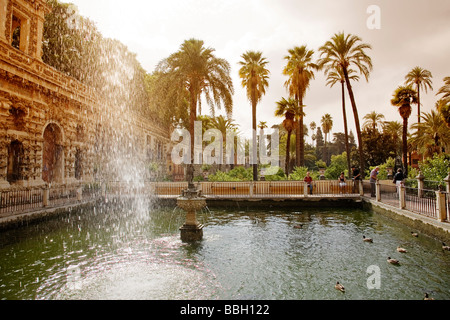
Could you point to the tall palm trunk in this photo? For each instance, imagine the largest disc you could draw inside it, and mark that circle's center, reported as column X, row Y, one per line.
column 405, row 145
column 288, row 144
column 192, row 118
column 254, row 151
column 300, row 142
column 297, row 139
column 355, row 114
column 347, row 148
column 418, row 103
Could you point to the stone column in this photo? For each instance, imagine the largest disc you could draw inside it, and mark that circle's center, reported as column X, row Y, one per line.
column 447, row 184
column 440, row 206
column 402, row 197
column 3, row 18
column 3, row 164
column 250, row 189
column 378, row 191
column 420, row 178
column 46, row 197
column 361, row 190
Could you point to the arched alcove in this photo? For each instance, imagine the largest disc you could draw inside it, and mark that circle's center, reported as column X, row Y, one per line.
column 53, row 154
column 15, row 158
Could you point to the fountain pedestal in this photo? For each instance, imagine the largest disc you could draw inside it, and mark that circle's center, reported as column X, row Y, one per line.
column 191, row 201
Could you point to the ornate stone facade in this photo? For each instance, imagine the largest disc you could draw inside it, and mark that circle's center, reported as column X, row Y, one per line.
column 51, row 125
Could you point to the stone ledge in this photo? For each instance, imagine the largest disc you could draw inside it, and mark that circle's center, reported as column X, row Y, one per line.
column 24, row 219
column 423, row 224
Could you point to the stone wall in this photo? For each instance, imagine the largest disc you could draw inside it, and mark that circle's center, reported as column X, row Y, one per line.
column 35, row 97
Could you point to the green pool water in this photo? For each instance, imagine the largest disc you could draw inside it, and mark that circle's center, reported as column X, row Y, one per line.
column 135, row 253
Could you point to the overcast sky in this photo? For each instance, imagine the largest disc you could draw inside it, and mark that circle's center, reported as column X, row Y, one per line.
column 412, row 33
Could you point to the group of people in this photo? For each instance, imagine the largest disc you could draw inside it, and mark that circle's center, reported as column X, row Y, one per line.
column 398, row 179
column 356, row 176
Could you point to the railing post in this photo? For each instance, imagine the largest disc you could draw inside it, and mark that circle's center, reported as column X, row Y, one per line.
column 420, row 178
column 80, row 193
column 103, row 190
column 402, row 197
column 250, row 190
column 440, row 206
column 305, row 189
column 447, row 183
column 45, row 197
column 361, row 189
column 378, row 191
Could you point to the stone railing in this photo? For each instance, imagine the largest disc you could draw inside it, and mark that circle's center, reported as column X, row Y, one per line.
column 428, row 202
column 19, row 200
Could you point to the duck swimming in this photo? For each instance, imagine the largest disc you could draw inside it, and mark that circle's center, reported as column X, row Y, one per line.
column 402, row 250
column 427, row 297
column 392, row 261
column 339, row 287
column 367, row 239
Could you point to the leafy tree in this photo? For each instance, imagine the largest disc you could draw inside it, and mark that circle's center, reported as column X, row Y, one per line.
column 299, row 174
column 378, row 147
column 436, row 168
column 255, row 78
column 337, row 165
column 319, row 143
column 327, row 125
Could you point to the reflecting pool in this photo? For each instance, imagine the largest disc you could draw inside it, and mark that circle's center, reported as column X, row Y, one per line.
column 130, row 253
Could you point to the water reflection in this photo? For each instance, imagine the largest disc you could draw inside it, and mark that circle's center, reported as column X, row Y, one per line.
column 122, row 253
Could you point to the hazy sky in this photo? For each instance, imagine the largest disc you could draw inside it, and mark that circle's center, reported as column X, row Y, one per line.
column 412, row 33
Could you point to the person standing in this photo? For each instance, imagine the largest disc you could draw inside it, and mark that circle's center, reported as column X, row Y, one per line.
column 398, row 179
column 373, row 180
column 308, row 179
column 356, row 177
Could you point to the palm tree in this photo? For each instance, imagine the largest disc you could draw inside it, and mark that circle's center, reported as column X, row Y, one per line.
column 432, row 136
column 255, row 76
column 327, row 125
column 342, row 52
column 394, row 129
column 223, row 125
column 444, row 103
column 444, row 111
column 195, row 70
column 333, row 77
column 445, row 91
column 300, row 70
column 372, row 120
column 403, row 97
column 288, row 109
column 422, row 79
